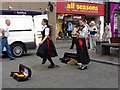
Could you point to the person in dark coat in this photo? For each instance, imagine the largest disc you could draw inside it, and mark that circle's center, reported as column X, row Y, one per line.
column 46, row 49
column 74, row 35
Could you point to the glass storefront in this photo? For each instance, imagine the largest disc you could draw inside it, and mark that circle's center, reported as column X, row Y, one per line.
column 71, row 12
column 115, row 19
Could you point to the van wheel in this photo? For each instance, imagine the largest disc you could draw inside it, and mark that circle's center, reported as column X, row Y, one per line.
column 17, row 50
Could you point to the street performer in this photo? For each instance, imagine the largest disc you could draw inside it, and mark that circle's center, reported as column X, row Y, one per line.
column 46, row 48
column 82, row 51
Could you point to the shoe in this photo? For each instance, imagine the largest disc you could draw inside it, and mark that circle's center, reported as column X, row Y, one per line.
column 71, row 48
column 82, row 67
column 62, row 58
column 51, row 66
column 12, row 58
column 44, row 61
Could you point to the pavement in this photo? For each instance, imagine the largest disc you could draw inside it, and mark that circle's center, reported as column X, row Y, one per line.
column 112, row 58
column 98, row 75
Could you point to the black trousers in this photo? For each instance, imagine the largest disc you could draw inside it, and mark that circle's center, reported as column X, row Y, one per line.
column 73, row 42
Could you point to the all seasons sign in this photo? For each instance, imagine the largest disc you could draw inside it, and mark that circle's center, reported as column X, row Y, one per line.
column 80, row 8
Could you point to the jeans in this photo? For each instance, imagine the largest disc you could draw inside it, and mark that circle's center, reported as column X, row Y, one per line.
column 0, row 47
column 5, row 44
column 92, row 42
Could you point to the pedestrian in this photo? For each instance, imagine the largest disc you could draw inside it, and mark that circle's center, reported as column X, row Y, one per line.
column 107, row 33
column 74, row 35
column 88, row 36
column 1, row 35
column 69, row 29
column 81, row 47
column 46, row 49
column 99, row 30
column 5, row 39
column 93, row 35
column 64, row 28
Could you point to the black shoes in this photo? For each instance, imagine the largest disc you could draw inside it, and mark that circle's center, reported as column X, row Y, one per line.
column 71, row 48
column 44, row 61
column 52, row 66
column 61, row 58
column 12, row 58
column 82, row 67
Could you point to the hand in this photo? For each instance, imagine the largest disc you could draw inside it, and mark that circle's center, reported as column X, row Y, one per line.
column 40, row 43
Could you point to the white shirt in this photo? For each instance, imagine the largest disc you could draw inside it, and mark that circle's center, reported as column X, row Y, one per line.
column 47, row 30
column 6, row 29
column 84, row 32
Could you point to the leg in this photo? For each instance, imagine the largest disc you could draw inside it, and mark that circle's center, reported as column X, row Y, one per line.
column 52, row 65
column 91, row 46
column 3, row 43
column 44, row 60
column 8, row 49
column 0, row 48
column 94, row 42
column 72, row 43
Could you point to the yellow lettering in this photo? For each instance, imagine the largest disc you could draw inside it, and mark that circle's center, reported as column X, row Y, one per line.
column 72, row 5
column 84, row 7
column 81, row 7
column 68, row 6
column 77, row 6
column 96, row 8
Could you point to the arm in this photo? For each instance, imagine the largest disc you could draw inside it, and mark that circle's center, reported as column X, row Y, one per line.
column 46, row 35
column 3, row 33
column 43, row 40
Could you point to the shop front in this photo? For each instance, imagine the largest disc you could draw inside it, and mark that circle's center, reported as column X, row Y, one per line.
column 73, row 11
column 115, row 19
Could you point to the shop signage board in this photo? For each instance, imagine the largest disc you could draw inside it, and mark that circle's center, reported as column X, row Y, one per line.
column 80, row 8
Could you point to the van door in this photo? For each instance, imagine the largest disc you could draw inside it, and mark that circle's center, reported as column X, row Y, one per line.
column 38, row 27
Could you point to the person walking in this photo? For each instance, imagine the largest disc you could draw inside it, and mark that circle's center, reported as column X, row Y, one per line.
column 107, row 33
column 46, row 49
column 5, row 39
column 93, row 35
column 74, row 35
column 69, row 29
column 1, row 36
column 81, row 47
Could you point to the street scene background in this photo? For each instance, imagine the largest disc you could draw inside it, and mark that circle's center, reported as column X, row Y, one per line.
column 102, row 71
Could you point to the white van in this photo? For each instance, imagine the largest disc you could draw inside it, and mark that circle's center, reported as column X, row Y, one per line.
column 25, row 32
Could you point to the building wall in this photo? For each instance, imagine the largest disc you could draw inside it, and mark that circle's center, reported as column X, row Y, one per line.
column 38, row 6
